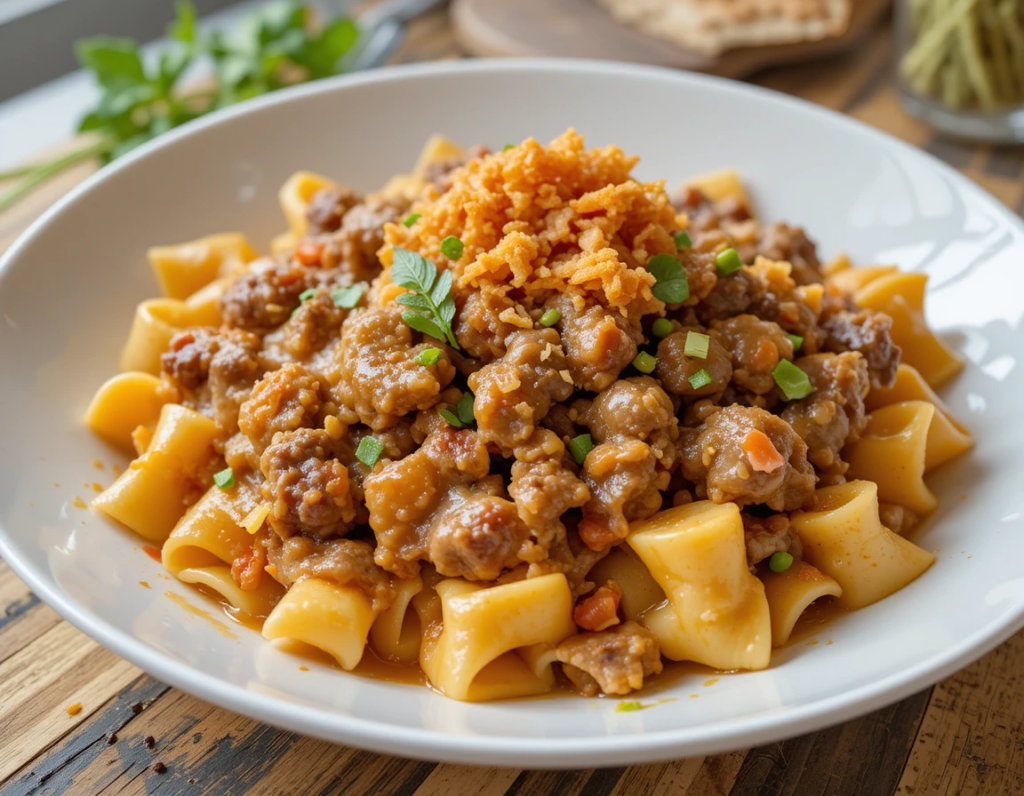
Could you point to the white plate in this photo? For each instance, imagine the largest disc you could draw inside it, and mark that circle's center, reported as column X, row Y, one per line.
column 68, row 288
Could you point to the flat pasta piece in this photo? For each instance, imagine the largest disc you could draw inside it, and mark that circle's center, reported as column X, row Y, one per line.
column 789, row 594
column 209, row 538
column 122, row 404
column 722, row 184
column 153, row 493
column 295, row 196
column 156, row 322
column 255, row 603
column 395, row 634
column 844, row 538
column 332, row 618
column 893, row 452
column 474, row 657
column 947, row 436
column 852, row 279
column 640, row 591
column 283, row 243
column 901, row 297
column 184, row 268
column 716, row 613
column 203, row 306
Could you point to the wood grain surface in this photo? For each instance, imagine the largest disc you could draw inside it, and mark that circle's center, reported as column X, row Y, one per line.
column 964, row 736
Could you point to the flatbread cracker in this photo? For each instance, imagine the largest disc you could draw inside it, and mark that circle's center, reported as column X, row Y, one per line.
column 713, row 26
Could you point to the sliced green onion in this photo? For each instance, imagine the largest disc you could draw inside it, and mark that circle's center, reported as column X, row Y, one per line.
column 796, row 340
column 451, row 247
column 428, row 357
column 550, row 317
column 792, row 381
column 412, row 218
column 579, row 447
column 464, row 408
column 697, row 345
column 369, row 451
column 682, row 239
column 347, row 297
column 507, row 147
column 628, row 706
column 700, row 379
column 780, row 562
column 728, row 262
column 451, row 417
column 661, row 327
column 645, row 363
column 225, row 479
column 306, row 295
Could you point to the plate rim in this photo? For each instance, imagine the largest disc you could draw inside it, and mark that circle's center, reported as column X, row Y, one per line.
column 433, row 744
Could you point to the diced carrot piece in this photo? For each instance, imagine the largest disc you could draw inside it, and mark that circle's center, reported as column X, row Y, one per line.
column 247, row 569
column 599, row 610
column 767, row 355
column 309, row 252
column 761, row 453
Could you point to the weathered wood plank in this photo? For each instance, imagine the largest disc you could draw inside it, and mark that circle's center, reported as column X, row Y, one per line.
column 971, row 740
column 57, row 770
column 865, row 755
column 60, row 668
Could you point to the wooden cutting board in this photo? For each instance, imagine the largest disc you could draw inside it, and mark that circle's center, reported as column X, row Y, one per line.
column 582, row 29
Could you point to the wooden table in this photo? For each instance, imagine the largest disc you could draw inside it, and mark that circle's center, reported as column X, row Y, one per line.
column 965, row 735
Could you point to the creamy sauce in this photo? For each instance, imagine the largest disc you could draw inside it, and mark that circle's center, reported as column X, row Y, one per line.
column 182, row 602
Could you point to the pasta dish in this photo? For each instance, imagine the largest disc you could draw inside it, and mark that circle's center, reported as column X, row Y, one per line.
column 519, row 417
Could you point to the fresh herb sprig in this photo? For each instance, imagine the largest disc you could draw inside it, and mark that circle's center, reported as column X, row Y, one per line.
column 430, row 297
column 274, row 47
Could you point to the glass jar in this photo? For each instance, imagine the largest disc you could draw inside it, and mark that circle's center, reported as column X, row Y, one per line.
column 961, row 66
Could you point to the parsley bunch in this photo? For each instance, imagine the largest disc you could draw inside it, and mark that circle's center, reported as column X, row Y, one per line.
column 274, row 47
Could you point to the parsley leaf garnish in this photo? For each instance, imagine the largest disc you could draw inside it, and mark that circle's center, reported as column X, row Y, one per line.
column 672, row 286
column 430, row 297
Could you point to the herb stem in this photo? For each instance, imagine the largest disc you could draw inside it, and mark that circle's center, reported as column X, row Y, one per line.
column 37, row 175
column 445, row 327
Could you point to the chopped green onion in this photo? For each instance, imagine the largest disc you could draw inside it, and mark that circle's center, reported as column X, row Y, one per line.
column 728, row 262
column 645, row 363
column 579, row 447
column 412, row 218
column 507, row 147
column 347, row 297
column 792, row 381
column 661, row 327
column 671, row 285
column 451, row 247
column 464, row 409
column 428, row 357
column 796, row 340
column 780, row 562
column 451, row 417
column 306, row 295
column 697, row 345
column 550, row 317
column 225, row 479
column 700, row 379
column 369, row 451
column 628, row 706
column 682, row 239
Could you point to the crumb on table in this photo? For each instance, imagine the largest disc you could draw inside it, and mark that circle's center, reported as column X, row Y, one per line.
column 74, row 708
